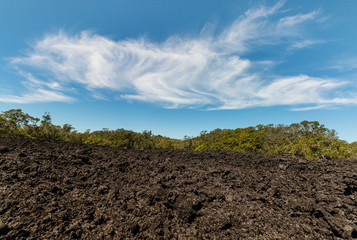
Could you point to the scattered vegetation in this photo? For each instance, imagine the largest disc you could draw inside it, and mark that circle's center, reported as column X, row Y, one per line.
column 306, row 139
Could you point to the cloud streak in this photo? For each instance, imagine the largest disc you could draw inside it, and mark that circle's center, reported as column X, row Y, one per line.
column 206, row 72
column 37, row 96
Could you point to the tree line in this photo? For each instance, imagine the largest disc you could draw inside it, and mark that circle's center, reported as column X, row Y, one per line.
column 307, row 139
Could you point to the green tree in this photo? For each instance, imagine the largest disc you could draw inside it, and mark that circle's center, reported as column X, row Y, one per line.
column 14, row 122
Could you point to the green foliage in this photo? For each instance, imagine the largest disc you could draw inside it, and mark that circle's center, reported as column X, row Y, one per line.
column 16, row 123
column 305, row 139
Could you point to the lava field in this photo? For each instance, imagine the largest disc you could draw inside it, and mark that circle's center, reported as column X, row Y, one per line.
column 59, row 190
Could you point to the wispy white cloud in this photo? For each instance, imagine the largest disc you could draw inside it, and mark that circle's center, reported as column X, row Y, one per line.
column 344, row 64
column 305, row 43
column 292, row 21
column 37, row 91
column 206, row 72
column 309, row 108
column 291, row 91
column 37, row 96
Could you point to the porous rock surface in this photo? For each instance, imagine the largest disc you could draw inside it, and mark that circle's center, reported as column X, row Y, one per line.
column 57, row 190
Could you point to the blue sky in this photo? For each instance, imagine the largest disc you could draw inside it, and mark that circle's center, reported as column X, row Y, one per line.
column 180, row 67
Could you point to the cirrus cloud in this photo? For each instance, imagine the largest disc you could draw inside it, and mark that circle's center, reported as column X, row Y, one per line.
column 206, row 72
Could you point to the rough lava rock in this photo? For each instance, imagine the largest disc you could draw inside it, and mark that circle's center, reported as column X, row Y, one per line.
column 58, row 190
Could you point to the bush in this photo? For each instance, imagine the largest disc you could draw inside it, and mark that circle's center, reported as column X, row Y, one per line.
column 305, row 139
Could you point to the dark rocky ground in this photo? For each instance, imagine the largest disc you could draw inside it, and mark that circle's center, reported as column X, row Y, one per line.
column 51, row 190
